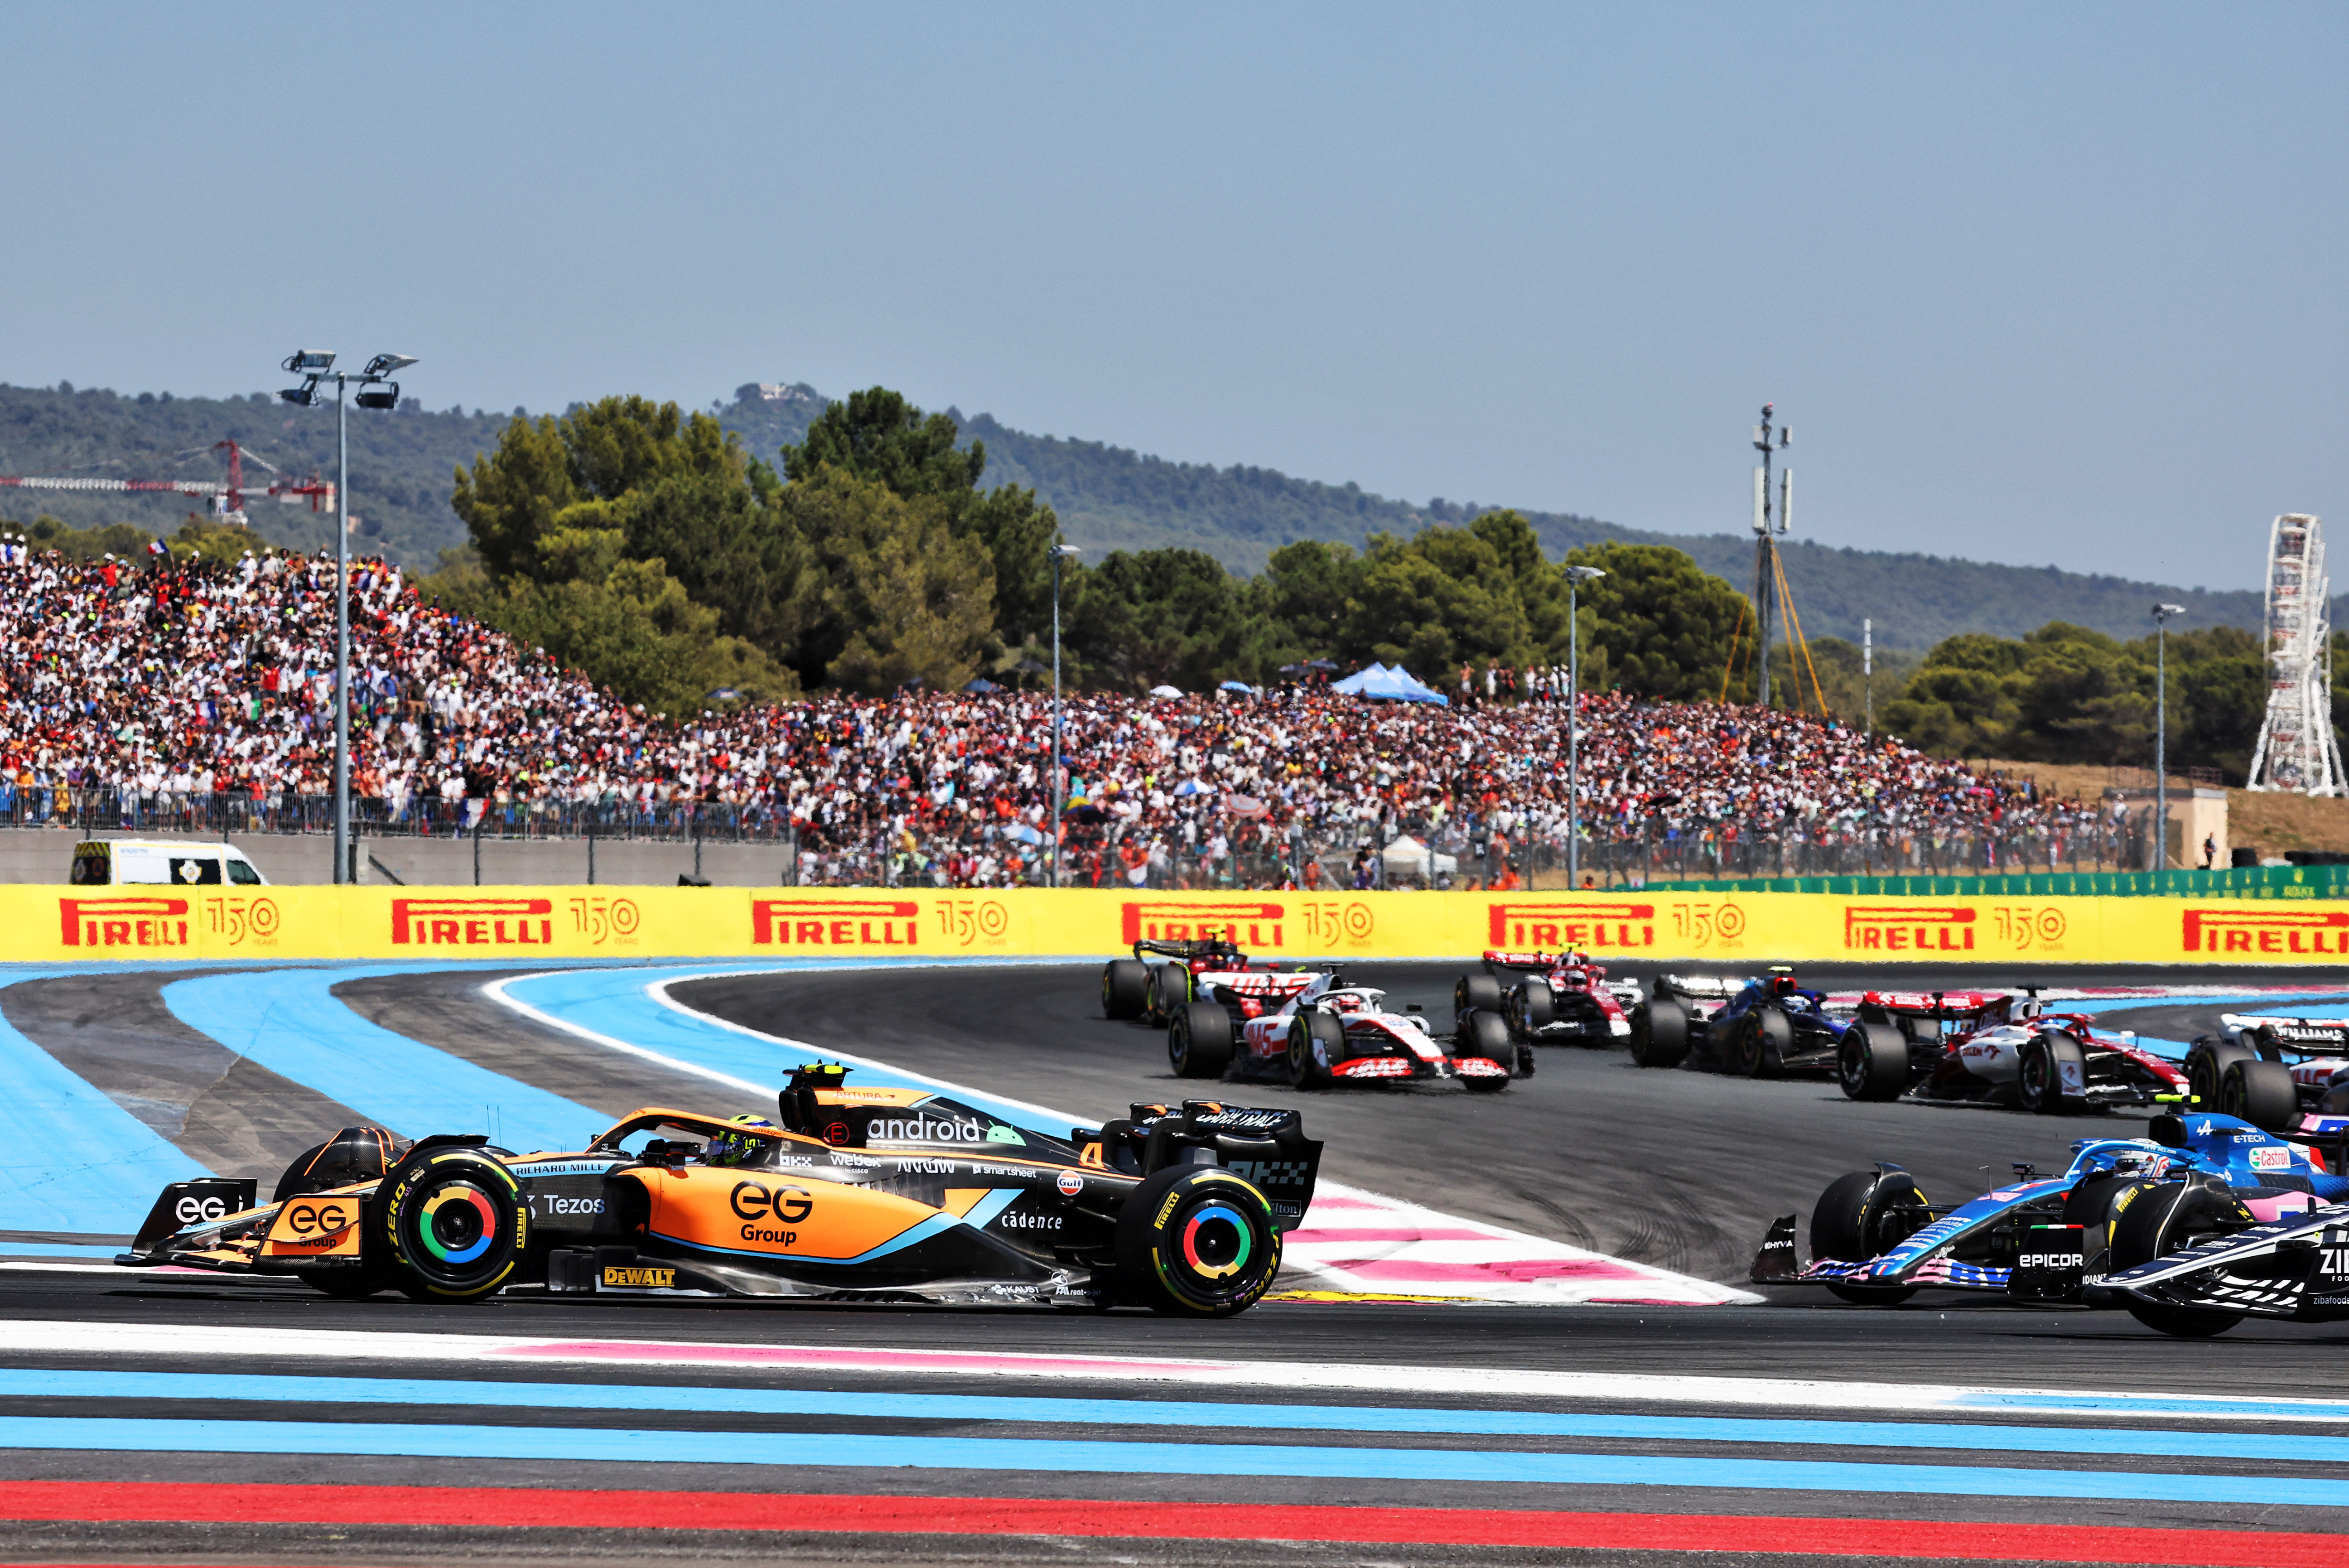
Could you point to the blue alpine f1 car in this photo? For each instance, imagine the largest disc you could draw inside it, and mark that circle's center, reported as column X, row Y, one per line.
column 1876, row 1239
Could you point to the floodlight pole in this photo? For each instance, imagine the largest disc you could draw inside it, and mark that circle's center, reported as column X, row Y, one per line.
column 343, row 867
column 2161, row 614
column 1575, row 578
column 1059, row 553
column 315, row 368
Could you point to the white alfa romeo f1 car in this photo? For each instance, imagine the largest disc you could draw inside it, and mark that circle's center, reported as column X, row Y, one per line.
column 1550, row 999
column 1332, row 1031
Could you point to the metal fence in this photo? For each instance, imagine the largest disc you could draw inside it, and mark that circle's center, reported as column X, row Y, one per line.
column 1344, row 854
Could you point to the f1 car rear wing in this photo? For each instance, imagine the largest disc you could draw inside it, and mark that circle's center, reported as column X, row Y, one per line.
column 1564, row 959
column 1698, row 987
column 1975, row 1007
column 2300, row 1036
column 1193, row 948
column 1268, row 1149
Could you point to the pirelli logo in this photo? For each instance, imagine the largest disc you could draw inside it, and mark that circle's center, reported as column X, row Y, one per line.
column 1904, row 927
column 641, row 1279
column 123, row 922
column 1250, row 925
column 472, row 922
column 834, row 922
column 2282, row 932
column 1613, row 924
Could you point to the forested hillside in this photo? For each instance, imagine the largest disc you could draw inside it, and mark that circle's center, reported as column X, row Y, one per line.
column 1106, row 498
column 401, row 463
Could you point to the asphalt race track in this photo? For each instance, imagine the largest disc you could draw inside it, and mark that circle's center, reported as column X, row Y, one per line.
column 1680, row 1168
column 177, row 1416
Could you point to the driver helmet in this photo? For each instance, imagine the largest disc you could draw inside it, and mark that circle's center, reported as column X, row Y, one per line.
column 1346, row 1000
column 729, row 1149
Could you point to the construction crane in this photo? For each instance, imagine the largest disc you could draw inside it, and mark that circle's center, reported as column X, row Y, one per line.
column 226, row 500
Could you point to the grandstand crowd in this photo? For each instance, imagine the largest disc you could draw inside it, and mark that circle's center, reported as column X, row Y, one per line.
column 186, row 687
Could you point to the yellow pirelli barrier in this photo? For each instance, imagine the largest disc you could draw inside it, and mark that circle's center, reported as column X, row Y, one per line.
column 52, row 925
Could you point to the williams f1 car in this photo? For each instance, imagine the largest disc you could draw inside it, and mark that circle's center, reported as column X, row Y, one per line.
column 1331, row 1031
column 1875, row 1239
column 1998, row 1051
column 1208, row 967
column 1550, row 999
column 874, row 1194
column 1757, row 1028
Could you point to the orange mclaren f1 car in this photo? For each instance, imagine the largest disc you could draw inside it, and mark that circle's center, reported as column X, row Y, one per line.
column 860, row 1193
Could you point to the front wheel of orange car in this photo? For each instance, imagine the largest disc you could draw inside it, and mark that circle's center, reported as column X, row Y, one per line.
column 1197, row 1242
column 457, row 1224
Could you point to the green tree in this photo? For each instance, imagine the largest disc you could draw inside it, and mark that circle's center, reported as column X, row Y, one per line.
column 878, row 436
column 890, row 591
column 1309, row 590
column 1656, row 625
column 1178, row 617
column 623, row 623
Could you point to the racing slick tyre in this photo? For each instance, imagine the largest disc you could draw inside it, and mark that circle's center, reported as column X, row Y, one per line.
column 2089, row 1205
column 1483, row 1034
column 1872, row 1062
column 1861, row 1216
column 2261, row 1093
column 1170, row 988
column 1126, row 987
column 1307, row 1071
column 2155, row 1218
column 2207, row 1061
column 2263, row 1041
column 457, row 1223
column 1659, row 1033
column 1199, row 1040
column 2039, row 1076
column 1195, row 1241
column 1528, row 1009
column 1477, row 992
column 1768, row 1037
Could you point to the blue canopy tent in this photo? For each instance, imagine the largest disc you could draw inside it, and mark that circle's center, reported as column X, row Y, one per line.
column 1379, row 684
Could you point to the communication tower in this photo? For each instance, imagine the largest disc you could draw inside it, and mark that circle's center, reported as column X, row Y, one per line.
column 2297, row 753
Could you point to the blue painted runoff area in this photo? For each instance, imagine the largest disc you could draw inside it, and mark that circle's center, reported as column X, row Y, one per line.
column 1221, row 1417
column 898, row 1451
column 289, row 1022
column 70, row 1158
column 618, row 1004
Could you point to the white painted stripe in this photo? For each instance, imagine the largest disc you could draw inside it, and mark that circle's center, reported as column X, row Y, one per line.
column 235, row 1344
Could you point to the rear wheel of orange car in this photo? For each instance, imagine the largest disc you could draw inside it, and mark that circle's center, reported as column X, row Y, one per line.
column 457, row 1224
column 1197, row 1242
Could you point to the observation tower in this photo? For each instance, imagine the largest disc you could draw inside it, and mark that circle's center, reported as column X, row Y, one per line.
column 2296, row 754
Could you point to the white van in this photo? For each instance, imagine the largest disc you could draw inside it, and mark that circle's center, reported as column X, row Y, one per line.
column 113, row 862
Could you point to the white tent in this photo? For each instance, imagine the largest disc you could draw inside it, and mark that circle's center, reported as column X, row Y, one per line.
column 1407, row 856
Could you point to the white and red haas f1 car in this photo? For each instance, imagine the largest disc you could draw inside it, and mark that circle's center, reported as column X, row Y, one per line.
column 1550, row 999
column 1331, row 1031
column 2275, row 1067
column 1989, row 1047
column 1208, row 967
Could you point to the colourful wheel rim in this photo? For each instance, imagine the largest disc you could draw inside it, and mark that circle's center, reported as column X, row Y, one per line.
column 428, row 1228
column 1199, row 1220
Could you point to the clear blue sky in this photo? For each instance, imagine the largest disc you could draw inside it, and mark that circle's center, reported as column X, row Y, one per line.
column 2033, row 284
